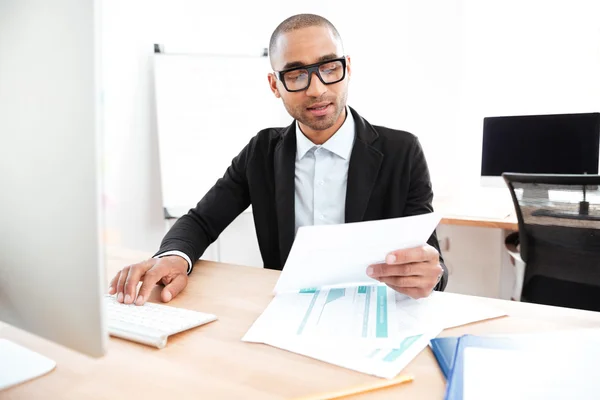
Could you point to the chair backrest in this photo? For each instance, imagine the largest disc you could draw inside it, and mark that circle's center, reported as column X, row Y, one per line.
column 559, row 234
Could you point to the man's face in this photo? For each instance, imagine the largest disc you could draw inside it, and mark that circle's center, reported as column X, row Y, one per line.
column 319, row 106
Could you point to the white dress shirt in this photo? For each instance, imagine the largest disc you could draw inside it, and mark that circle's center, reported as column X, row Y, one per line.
column 321, row 176
column 320, row 181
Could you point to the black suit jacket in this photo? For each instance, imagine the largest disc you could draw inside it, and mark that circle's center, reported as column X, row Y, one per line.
column 387, row 177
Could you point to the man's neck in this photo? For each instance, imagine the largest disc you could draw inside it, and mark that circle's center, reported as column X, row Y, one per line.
column 320, row 137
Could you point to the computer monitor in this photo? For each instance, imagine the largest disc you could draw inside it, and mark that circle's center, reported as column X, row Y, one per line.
column 51, row 258
column 539, row 144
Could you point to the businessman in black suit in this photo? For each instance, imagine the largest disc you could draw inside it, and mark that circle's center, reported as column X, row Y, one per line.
column 329, row 166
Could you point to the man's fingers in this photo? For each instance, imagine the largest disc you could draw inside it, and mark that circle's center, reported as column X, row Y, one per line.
column 123, row 279
column 403, row 281
column 174, row 287
column 121, row 283
column 378, row 271
column 131, row 281
column 414, row 272
column 136, row 272
column 414, row 255
column 151, row 278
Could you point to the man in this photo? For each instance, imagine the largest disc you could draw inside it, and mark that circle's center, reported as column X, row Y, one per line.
column 329, row 166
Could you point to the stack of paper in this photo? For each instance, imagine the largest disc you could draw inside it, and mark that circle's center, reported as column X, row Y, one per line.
column 326, row 307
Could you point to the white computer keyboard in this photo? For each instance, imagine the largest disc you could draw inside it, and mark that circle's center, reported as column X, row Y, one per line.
column 152, row 323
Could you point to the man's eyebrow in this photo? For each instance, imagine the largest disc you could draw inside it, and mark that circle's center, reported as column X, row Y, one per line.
column 295, row 64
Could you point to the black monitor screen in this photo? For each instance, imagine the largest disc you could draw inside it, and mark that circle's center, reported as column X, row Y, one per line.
column 541, row 144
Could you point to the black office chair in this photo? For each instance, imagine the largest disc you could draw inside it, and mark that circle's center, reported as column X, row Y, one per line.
column 558, row 238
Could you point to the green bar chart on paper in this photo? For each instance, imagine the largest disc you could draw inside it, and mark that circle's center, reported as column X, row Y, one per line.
column 357, row 312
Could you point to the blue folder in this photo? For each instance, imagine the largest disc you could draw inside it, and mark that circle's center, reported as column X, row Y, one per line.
column 444, row 349
column 454, row 387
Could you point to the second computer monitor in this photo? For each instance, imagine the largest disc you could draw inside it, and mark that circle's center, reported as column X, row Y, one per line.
column 542, row 144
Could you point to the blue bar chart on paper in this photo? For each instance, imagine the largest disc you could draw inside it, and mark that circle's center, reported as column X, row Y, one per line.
column 353, row 313
column 362, row 311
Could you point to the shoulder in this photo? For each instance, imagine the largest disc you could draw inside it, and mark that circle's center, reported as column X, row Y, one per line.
column 395, row 137
column 264, row 143
column 266, row 140
column 396, row 142
column 384, row 138
column 270, row 135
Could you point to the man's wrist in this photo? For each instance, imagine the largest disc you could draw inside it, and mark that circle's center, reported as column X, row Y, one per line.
column 179, row 254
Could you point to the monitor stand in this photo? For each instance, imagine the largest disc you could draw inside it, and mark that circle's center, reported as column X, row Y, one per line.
column 583, row 212
column 18, row 364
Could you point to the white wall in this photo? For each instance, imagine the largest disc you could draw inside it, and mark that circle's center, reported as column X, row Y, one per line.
column 525, row 57
column 451, row 62
column 134, row 210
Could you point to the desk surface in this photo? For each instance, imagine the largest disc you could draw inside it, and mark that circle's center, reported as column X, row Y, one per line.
column 508, row 223
column 476, row 212
column 212, row 362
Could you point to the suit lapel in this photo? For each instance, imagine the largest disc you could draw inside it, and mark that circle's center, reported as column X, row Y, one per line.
column 365, row 162
column 284, row 164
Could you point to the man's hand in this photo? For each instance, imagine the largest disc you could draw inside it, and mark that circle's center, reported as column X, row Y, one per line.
column 414, row 272
column 171, row 271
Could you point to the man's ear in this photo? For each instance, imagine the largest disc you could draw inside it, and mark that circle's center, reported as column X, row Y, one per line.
column 348, row 66
column 273, row 85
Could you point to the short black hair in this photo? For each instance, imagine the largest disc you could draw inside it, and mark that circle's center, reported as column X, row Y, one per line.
column 300, row 21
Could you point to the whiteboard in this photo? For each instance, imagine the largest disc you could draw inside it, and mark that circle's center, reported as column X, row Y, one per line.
column 208, row 107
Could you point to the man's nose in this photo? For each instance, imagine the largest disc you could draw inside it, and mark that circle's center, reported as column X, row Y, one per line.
column 316, row 87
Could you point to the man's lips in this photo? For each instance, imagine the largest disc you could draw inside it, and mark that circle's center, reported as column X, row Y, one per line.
column 319, row 106
column 320, row 109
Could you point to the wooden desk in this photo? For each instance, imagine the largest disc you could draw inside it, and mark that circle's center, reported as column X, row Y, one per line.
column 211, row 361
column 508, row 223
column 456, row 212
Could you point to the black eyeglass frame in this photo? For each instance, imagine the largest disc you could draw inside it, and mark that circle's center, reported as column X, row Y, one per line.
column 312, row 68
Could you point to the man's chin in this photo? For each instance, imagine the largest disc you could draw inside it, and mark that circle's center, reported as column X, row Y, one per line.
column 320, row 123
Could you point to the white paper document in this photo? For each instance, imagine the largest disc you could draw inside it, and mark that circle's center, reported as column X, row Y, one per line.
column 326, row 255
column 365, row 313
column 327, row 308
column 442, row 309
column 384, row 362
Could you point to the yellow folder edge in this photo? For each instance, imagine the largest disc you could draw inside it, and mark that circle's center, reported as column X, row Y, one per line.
column 359, row 389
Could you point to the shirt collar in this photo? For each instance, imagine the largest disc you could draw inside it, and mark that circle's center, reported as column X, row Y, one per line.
column 340, row 143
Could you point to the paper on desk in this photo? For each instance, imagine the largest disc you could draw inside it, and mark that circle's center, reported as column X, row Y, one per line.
column 381, row 362
column 342, row 314
column 442, row 309
column 334, row 331
column 325, row 255
column 366, row 314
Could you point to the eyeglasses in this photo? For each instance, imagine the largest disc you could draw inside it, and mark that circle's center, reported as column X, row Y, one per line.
column 298, row 78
